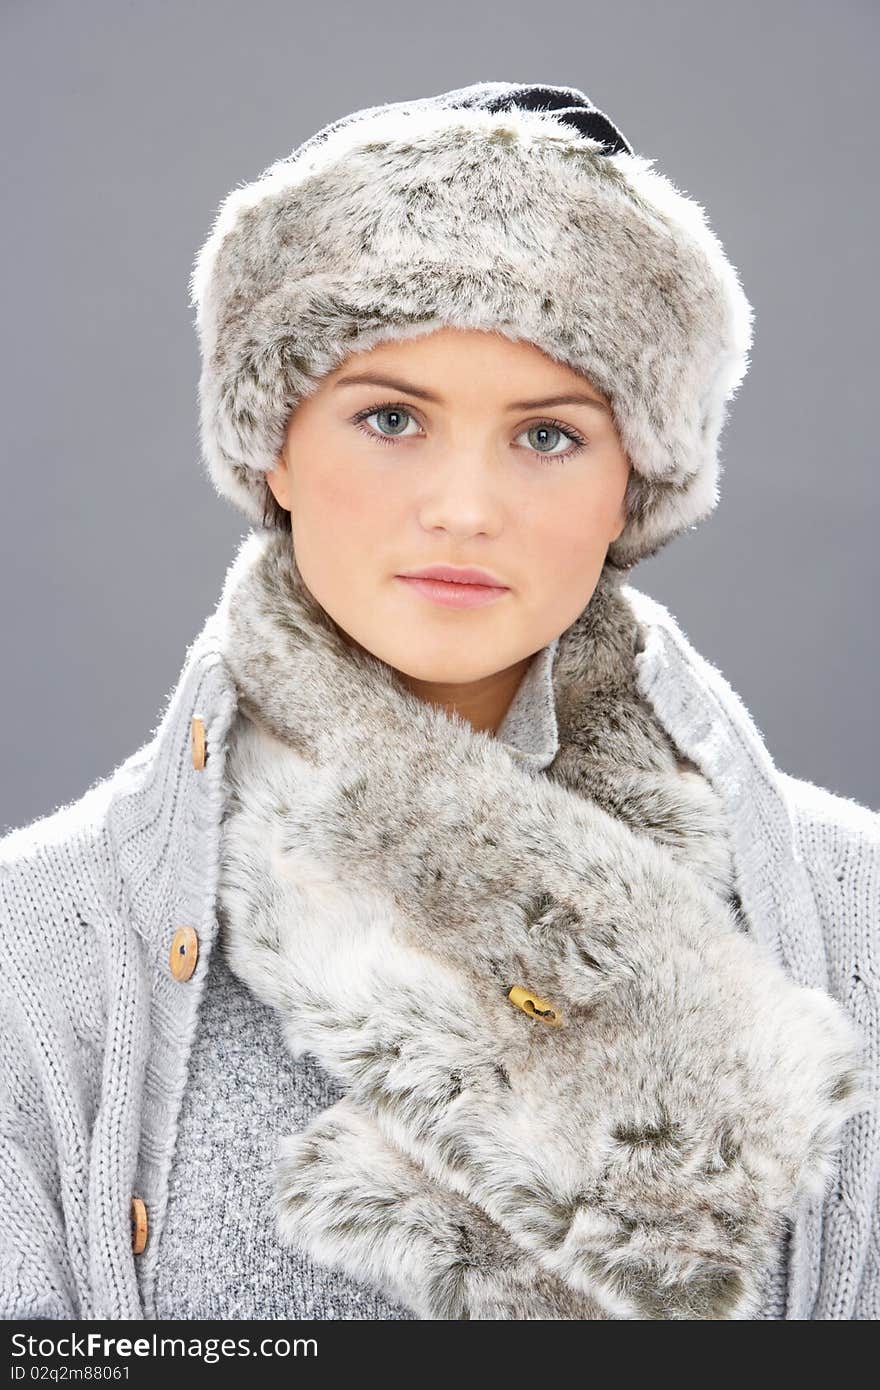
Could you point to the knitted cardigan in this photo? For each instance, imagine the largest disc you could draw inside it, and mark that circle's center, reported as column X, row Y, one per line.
column 96, row 1031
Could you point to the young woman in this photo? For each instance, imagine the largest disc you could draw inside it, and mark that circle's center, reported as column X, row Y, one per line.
column 454, row 949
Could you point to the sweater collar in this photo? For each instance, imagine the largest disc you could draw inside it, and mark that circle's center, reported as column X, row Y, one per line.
column 529, row 727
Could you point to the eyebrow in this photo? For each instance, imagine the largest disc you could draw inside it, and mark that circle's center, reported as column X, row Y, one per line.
column 394, row 384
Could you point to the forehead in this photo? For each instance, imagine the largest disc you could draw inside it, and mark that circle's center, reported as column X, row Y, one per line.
column 448, row 361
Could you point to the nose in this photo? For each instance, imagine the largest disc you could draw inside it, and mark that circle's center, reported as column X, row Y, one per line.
column 464, row 494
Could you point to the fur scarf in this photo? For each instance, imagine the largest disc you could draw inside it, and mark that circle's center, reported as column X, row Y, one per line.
column 575, row 1085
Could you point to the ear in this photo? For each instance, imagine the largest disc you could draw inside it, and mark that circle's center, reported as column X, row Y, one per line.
column 621, row 521
column 616, row 534
column 278, row 479
column 623, row 512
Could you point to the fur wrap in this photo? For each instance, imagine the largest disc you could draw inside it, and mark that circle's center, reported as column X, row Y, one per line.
column 628, row 1147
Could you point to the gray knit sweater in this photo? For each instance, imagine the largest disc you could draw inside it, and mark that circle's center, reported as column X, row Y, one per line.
column 120, row 1081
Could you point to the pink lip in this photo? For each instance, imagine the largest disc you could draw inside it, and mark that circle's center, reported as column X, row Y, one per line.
column 455, row 574
column 454, row 595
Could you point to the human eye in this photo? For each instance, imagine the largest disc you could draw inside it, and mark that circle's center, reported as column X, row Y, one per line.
column 394, row 412
column 544, row 429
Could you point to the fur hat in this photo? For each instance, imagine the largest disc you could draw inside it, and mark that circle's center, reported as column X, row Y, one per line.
column 517, row 208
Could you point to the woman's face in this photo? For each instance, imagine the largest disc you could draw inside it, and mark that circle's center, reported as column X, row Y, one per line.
column 466, row 449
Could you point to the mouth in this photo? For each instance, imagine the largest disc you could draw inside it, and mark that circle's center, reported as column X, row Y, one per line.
column 453, row 593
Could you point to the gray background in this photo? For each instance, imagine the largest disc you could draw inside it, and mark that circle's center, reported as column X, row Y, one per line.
column 125, row 126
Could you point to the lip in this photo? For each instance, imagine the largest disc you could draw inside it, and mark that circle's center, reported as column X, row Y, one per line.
column 454, row 595
column 455, row 574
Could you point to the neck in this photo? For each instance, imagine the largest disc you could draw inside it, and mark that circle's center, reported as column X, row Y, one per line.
column 483, row 703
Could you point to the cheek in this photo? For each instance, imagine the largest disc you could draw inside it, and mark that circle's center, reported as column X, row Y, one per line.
column 335, row 498
column 569, row 520
column 339, row 519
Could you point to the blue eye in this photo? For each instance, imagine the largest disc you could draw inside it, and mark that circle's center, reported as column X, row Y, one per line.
column 396, row 417
column 553, row 428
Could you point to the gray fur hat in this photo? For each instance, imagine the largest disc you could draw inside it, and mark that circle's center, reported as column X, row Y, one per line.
column 517, row 208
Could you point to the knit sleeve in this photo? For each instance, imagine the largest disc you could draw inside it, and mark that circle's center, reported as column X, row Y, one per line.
column 36, row 1278
column 52, row 1023
column 839, row 841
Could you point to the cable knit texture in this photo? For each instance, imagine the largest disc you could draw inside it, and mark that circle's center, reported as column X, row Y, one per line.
column 98, row 1037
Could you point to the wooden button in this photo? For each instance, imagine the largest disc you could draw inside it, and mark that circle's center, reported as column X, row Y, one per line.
column 197, row 735
column 184, row 953
column 138, row 1224
column 534, row 1006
